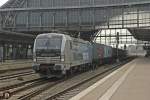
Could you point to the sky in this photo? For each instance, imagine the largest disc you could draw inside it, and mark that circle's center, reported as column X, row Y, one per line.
column 2, row 2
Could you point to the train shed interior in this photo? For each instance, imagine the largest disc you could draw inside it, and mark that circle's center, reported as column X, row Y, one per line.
column 91, row 20
column 102, row 53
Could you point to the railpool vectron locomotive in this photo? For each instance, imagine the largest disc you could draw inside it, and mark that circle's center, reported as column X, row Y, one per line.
column 58, row 54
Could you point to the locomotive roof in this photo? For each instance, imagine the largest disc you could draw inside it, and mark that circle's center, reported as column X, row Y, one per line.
column 60, row 34
column 56, row 34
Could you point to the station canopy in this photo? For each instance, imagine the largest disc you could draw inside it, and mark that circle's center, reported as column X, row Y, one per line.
column 141, row 34
column 39, row 16
column 9, row 36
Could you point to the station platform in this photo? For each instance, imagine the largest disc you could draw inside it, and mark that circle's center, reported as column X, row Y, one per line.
column 130, row 82
column 15, row 64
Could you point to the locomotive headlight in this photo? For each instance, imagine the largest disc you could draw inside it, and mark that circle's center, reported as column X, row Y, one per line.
column 34, row 59
column 62, row 59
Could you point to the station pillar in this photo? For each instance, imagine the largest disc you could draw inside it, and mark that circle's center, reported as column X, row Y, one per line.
column 30, row 51
column 117, row 38
column 14, row 49
column 1, row 52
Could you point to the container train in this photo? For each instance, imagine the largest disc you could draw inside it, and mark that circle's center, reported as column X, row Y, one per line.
column 57, row 54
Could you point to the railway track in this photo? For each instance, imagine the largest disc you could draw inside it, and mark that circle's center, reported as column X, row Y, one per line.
column 31, row 94
column 15, row 88
column 15, row 85
column 15, row 75
column 55, row 95
column 74, row 88
column 3, row 64
column 34, row 88
column 2, row 71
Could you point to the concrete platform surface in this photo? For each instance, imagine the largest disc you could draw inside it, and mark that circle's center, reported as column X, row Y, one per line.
column 131, row 82
column 137, row 84
column 15, row 64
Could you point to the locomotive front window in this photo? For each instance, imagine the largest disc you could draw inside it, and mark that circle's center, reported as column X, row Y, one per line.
column 55, row 43
column 41, row 44
column 49, row 43
column 48, row 46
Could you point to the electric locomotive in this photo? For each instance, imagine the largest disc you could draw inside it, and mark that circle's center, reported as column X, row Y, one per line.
column 57, row 54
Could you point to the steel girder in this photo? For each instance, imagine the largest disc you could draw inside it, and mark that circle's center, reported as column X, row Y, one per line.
column 23, row 16
column 74, row 18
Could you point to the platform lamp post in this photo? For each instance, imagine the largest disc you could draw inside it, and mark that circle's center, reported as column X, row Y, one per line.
column 117, row 38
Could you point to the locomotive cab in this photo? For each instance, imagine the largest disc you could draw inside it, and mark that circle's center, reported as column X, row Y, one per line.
column 49, row 53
